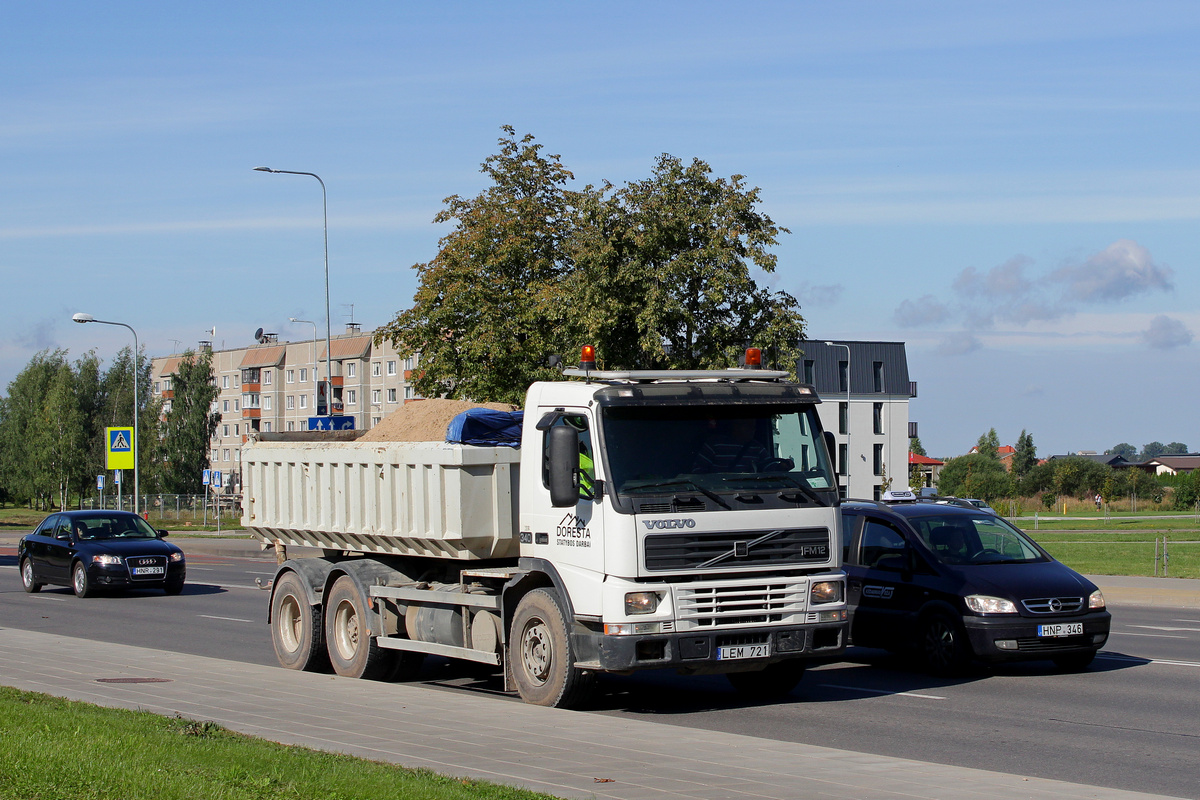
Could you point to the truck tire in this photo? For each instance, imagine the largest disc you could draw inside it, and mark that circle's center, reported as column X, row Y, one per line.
column 541, row 657
column 353, row 651
column 296, row 629
column 770, row 682
column 28, row 582
column 944, row 647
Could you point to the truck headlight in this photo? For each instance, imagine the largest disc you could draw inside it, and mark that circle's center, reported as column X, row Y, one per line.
column 1096, row 599
column 640, row 603
column 983, row 604
column 825, row 592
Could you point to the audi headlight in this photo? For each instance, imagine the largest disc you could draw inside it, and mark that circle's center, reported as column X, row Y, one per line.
column 640, row 603
column 106, row 559
column 983, row 604
column 1096, row 599
column 176, row 557
column 825, row 592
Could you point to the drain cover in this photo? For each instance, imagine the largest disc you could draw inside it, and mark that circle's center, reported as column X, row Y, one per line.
column 133, row 680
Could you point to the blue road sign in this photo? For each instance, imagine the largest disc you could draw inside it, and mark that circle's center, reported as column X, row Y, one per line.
column 204, row 477
column 216, row 478
column 100, row 482
column 331, row 423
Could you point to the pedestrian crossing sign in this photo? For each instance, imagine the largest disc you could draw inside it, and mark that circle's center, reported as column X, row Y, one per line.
column 120, row 448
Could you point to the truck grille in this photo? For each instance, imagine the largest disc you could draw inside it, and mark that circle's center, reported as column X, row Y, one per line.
column 690, row 549
column 739, row 603
column 1053, row 605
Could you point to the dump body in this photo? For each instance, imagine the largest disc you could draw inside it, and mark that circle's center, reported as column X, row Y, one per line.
column 428, row 499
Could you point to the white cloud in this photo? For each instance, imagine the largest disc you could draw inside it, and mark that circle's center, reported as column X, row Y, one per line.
column 1121, row 270
column 958, row 344
column 1166, row 333
column 927, row 310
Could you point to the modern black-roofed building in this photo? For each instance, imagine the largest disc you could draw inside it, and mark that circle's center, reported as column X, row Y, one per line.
column 865, row 389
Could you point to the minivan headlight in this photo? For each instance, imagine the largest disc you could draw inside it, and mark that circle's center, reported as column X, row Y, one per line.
column 1096, row 599
column 985, row 604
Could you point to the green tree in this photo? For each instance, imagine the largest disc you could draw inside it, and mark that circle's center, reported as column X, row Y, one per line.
column 1152, row 450
column 915, row 446
column 975, row 475
column 1025, row 457
column 656, row 274
column 1125, row 450
column 25, row 456
column 1174, row 449
column 988, row 445
column 61, row 429
column 190, row 424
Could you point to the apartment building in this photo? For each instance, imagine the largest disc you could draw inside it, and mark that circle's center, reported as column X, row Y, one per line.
column 865, row 390
column 275, row 386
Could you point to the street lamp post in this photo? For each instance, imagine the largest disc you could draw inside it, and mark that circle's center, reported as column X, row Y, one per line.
column 314, row 357
column 81, row 318
column 849, row 453
column 328, row 334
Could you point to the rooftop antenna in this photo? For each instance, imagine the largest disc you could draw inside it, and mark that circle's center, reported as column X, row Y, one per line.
column 351, row 307
column 175, row 343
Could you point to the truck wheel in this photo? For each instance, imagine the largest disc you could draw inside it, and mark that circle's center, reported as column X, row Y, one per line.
column 770, row 682
column 353, row 651
column 80, row 581
column 944, row 646
column 27, row 580
column 540, row 654
column 296, row 629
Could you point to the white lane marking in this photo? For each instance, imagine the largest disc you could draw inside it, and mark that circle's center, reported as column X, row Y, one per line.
column 51, row 597
column 8, row 566
column 227, row 619
column 1165, row 628
column 201, row 569
column 1148, row 635
column 1167, row 661
column 881, row 691
column 1186, row 620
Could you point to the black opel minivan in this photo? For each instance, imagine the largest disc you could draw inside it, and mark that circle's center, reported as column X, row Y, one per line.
column 951, row 585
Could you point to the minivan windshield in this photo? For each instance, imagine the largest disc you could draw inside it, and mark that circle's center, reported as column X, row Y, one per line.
column 971, row 539
column 717, row 449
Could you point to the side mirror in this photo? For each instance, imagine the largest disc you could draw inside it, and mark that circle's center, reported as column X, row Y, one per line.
column 831, row 448
column 163, row 534
column 563, row 454
column 896, row 562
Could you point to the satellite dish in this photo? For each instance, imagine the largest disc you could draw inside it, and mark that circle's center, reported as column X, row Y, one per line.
column 258, row 335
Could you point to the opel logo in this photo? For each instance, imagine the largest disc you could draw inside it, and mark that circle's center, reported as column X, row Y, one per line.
column 1055, row 605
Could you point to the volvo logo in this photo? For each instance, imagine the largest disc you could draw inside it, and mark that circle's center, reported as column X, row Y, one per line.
column 1055, row 605
column 668, row 524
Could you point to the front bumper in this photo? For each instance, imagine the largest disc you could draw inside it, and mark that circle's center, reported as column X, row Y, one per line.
column 696, row 652
column 118, row 575
column 1016, row 638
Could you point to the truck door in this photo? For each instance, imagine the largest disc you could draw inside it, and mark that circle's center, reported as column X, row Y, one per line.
column 571, row 536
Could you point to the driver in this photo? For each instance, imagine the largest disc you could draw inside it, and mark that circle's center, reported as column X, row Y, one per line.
column 950, row 543
column 734, row 450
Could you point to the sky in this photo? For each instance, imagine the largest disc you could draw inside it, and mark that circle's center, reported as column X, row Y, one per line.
column 1011, row 189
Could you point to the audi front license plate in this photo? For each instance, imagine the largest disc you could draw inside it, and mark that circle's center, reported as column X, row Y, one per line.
column 1062, row 629
column 149, row 570
column 739, row 651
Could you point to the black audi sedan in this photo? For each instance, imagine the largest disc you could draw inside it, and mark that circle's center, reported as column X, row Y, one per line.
column 950, row 585
column 94, row 550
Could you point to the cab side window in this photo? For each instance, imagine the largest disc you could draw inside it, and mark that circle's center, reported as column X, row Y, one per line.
column 880, row 540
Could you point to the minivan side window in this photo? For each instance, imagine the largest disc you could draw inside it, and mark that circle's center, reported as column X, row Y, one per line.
column 879, row 540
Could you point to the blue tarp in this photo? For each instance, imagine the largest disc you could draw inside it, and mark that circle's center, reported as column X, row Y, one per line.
column 485, row 427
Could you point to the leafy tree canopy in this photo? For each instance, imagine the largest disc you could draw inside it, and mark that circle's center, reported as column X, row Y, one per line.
column 975, row 475
column 1025, row 457
column 1152, row 450
column 988, row 445
column 915, row 446
column 1125, row 450
column 655, row 274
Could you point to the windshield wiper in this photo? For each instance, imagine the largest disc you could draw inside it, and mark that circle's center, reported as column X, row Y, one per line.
column 711, row 495
column 803, row 487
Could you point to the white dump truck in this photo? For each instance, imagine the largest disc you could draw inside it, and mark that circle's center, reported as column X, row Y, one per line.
column 648, row 519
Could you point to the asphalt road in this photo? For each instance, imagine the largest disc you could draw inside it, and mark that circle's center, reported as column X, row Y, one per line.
column 1128, row 722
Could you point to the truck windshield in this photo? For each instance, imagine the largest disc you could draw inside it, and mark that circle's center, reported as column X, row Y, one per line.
column 717, row 449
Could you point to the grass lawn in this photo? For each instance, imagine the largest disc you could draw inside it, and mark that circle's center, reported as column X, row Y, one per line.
column 1121, row 552
column 19, row 518
column 55, row 748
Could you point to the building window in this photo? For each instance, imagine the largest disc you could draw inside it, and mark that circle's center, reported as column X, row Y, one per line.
column 266, row 377
column 290, row 376
column 843, row 417
column 249, row 400
column 224, row 381
column 289, row 402
column 266, row 402
column 843, row 457
column 351, row 397
column 304, row 374
column 216, row 455
column 409, row 394
column 877, row 417
column 878, row 492
column 376, row 394
column 225, row 454
column 877, row 460
column 303, row 424
column 237, row 430
column 878, row 374
column 808, row 370
column 843, row 376
column 156, row 389
column 375, row 421
column 224, row 430
column 376, row 369
column 391, row 367
column 410, row 363
column 391, row 395
column 266, row 427
column 225, row 406
column 304, row 401
column 351, row 370
column 235, row 406
column 291, row 426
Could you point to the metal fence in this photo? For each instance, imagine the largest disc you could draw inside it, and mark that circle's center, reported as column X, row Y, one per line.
column 190, row 507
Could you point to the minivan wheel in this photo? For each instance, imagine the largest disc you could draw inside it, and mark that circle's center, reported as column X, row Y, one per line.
column 944, row 646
